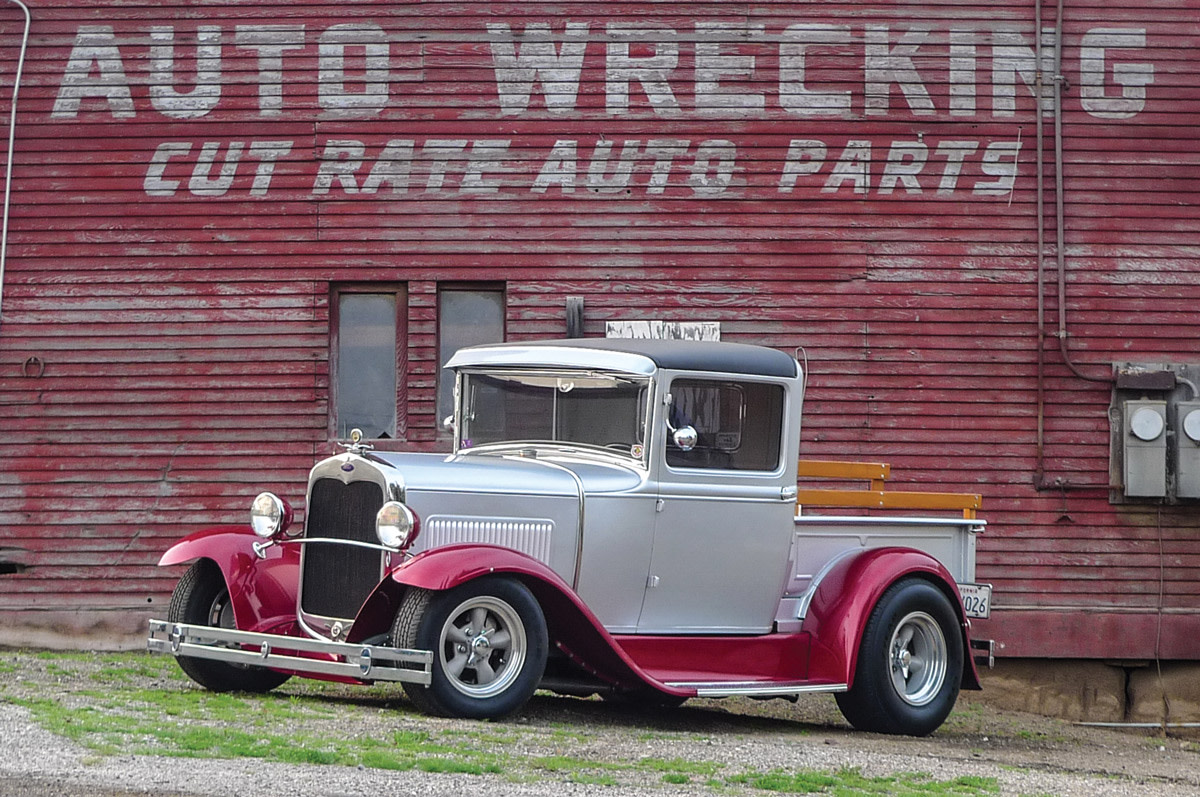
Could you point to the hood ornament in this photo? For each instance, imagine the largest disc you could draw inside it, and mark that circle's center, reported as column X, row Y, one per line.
column 356, row 445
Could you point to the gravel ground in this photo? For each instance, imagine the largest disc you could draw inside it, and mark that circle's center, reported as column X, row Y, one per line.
column 1027, row 755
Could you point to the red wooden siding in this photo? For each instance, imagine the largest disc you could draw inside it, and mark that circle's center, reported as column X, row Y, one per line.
column 855, row 178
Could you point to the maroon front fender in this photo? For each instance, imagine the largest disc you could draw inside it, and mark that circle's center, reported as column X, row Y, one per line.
column 263, row 591
column 846, row 596
column 572, row 626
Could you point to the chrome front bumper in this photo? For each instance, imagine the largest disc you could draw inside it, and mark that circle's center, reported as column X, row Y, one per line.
column 364, row 662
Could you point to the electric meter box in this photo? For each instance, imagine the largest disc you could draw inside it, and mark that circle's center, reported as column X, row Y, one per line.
column 1145, row 447
column 1187, row 449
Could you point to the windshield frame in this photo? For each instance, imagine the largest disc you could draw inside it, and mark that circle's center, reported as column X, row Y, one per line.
column 644, row 382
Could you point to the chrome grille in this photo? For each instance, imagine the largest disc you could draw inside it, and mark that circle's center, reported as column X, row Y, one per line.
column 336, row 579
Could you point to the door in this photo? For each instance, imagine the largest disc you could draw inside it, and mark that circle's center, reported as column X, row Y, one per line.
column 724, row 520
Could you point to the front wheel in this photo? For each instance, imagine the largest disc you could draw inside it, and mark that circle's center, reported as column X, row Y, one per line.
column 910, row 663
column 201, row 598
column 489, row 644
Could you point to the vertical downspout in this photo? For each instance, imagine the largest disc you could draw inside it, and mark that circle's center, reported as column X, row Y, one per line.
column 12, row 134
column 1040, row 469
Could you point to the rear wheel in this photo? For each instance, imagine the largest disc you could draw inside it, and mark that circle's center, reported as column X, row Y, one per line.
column 489, row 644
column 201, row 598
column 910, row 663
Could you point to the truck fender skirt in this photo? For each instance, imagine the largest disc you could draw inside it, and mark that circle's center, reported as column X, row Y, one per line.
column 263, row 590
column 846, row 596
column 572, row 626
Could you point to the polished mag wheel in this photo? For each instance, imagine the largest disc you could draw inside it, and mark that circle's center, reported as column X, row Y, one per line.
column 482, row 647
column 918, row 659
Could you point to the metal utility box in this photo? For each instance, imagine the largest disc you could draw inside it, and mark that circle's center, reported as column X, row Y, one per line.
column 1187, row 449
column 1144, row 436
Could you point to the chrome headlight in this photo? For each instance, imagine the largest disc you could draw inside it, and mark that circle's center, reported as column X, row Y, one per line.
column 396, row 525
column 269, row 515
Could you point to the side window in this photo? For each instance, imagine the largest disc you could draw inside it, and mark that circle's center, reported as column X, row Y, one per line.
column 739, row 424
column 467, row 316
column 367, row 326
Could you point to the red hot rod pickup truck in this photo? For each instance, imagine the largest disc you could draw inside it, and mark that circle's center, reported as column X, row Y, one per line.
column 617, row 517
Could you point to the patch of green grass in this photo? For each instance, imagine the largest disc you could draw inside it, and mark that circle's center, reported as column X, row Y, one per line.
column 562, row 763
column 852, row 783
column 680, row 766
column 593, row 780
column 672, row 777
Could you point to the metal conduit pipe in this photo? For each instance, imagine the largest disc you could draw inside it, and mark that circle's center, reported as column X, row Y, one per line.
column 12, row 135
column 1039, row 479
column 1060, row 247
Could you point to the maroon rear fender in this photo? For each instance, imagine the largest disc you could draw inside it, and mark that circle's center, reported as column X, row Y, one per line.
column 573, row 628
column 846, row 596
column 263, row 591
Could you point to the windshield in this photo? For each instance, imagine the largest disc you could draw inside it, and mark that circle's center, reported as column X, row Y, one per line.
column 584, row 408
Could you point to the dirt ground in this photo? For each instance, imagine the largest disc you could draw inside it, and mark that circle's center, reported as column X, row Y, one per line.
column 1025, row 754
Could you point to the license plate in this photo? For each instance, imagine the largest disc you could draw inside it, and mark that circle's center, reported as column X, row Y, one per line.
column 977, row 600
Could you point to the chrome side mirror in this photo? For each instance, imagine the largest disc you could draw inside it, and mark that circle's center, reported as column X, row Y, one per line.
column 685, row 438
column 448, row 423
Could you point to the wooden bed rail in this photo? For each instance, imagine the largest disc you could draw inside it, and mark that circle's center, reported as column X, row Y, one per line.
column 876, row 473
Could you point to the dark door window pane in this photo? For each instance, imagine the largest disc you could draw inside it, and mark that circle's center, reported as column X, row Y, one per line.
column 366, row 364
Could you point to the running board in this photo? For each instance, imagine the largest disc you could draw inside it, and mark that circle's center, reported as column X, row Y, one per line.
column 755, row 688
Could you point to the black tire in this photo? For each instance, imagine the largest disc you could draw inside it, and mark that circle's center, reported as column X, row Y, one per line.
column 910, row 663
column 480, row 673
column 201, row 598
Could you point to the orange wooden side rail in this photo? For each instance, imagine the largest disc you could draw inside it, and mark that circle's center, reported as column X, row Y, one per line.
column 876, row 496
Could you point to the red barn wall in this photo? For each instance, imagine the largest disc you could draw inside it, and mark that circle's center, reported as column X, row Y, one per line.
column 857, row 179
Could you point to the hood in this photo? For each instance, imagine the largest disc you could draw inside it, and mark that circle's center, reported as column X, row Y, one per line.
column 510, row 474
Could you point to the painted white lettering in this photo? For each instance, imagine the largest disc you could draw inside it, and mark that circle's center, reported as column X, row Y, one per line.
column 1093, row 73
column 804, row 157
column 94, row 71
column 559, row 168
column 1013, row 57
column 206, row 92
column 202, row 183
column 794, row 95
column 962, row 72
column 597, row 181
column 486, row 155
column 440, row 152
column 955, row 152
column 1000, row 161
column 905, row 160
column 558, row 71
column 853, row 166
column 653, row 71
column 713, row 65
column 340, row 160
column 712, row 170
column 886, row 65
column 664, row 151
column 392, row 167
column 155, row 184
column 333, row 93
column 270, row 41
column 267, row 153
